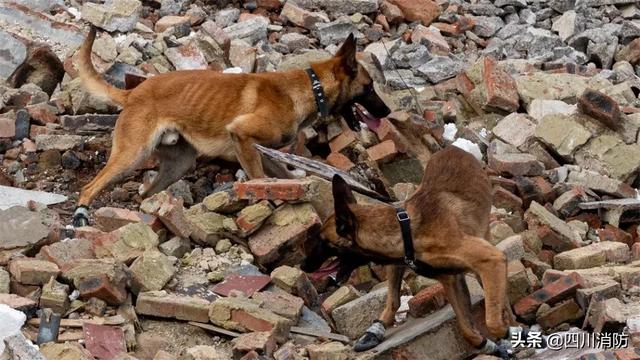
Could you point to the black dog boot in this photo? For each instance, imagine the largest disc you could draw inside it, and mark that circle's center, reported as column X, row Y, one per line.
column 81, row 216
column 371, row 338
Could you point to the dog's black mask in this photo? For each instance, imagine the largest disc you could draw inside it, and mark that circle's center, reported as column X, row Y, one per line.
column 370, row 101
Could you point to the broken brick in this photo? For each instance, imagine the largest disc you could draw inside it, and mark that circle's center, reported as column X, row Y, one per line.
column 151, row 271
column 550, row 294
column 383, row 152
column 262, row 342
column 104, row 342
column 250, row 218
column 343, row 141
column 600, row 107
column 340, row 161
column 276, row 189
column 181, row 307
column 296, row 282
column 246, row 315
column 612, row 233
column 29, row 271
column 111, row 218
column 102, row 287
column 427, row 301
column 170, row 210
column 65, row 251
column 567, row 311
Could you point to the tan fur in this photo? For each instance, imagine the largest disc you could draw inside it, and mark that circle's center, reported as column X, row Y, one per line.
column 220, row 115
column 450, row 221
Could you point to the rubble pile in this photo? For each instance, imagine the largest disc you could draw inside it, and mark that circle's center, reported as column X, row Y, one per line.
column 544, row 93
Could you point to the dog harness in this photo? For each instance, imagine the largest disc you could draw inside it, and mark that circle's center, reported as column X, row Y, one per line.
column 405, row 228
column 318, row 93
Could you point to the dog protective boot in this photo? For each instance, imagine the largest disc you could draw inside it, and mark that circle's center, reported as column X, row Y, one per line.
column 81, row 217
column 371, row 338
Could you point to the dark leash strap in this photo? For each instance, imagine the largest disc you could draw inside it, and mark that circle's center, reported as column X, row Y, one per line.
column 405, row 228
column 318, row 93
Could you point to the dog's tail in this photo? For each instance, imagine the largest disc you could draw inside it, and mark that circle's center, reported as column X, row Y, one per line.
column 91, row 79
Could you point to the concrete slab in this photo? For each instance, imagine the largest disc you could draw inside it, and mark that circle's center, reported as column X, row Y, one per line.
column 11, row 196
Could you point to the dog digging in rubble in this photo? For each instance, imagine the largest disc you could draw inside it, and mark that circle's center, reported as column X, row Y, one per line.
column 183, row 114
column 440, row 232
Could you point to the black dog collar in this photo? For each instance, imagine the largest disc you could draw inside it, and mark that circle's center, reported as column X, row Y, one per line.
column 405, row 228
column 318, row 93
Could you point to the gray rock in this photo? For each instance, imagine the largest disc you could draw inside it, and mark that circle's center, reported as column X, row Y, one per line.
column 67, row 37
column 599, row 44
column 301, row 61
column 176, row 246
column 336, row 31
column 538, row 43
column 510, row 30
column 58, row 142
column 402, row 79
column 226, row 17
column 251, row 30
column 295, row 41
column 14, row 53
column 527, row 16
column 186, row 57
column 440, row 68
column 567, row 54
column 41, row 5
column 483, row 9
column 171, row 7
column 514, row 3
column 562, row 134
column 354, row 317
column 382, row 50
column 410, row 56
column 20, row 227
column 113, row 15
column 5, row 280
column 182, row 189
column 567, row 25
column 10, row 196
column 349, row 7
column 312, row 321
column 487, row 26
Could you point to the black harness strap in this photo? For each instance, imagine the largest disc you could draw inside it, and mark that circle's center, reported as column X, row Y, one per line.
column 318, row 93
column 405, row 228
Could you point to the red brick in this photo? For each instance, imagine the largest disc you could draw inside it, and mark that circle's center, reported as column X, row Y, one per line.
column 30, row 271
column 424, row 11
column 18, row 302
column 104, row 342
column 111, row 218
column 101, row 287
column 299, row 16
column 64, row 252
column 170, row 210
column 567, row 311
column 276, row 189
column 383, row 152
column 534, row 188
column 181, row 307
column 630, row 53
column 7, row 127
column 88, row 232
column 612, row 233
column 249, row 321
column 427, row 301
column 502, row 92
column 262, row 342
column 43, row 113
column 506, row 200
column 507, row 184
column 635, row 251
column 340, row 161
column 36, row 130
column 550, row 294
column 631, row 353
column 447, row 29
column 600, row 107
column 342, row 141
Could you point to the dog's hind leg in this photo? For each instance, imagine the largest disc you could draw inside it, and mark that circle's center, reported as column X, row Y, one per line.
column 175, row 161
column 375, row 333
column 130, row 147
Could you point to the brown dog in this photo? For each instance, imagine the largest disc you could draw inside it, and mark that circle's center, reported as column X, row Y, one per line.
column 182, row 114
column 449, row 217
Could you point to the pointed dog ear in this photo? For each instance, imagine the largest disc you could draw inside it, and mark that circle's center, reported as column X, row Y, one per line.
column 347, row 54
column 346, row 222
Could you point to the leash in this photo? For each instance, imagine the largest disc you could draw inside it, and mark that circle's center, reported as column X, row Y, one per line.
column 405, row 228
column 318, row 93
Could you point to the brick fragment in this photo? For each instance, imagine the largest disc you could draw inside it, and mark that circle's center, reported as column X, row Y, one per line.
column 262, row 342
column 250, row 218
column 276, row 189
column 346, row 139
column 340, row 161
column 65, row 251
column 343, row 295
column 296, row 282
column 174, row 306
column 113, row 291
column 550, row 294
column 600, row 107
column 383, row 152
column 55, row 296
column 170, row 210
column 29, row 271
column 246, row 315
column 111, row 218
column 16, row 302
column 151, row 271
column 567, row 311
column 613, row 233
column 427, row 301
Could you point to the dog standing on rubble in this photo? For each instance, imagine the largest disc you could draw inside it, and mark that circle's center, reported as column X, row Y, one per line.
column 183, row 114
column 441, row 233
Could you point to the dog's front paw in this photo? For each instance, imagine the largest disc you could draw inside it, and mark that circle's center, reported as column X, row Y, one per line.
column 371, row 338
column 81, row 217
